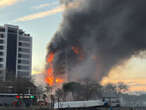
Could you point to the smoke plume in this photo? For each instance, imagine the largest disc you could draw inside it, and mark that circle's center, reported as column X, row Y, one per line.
column 97, row 36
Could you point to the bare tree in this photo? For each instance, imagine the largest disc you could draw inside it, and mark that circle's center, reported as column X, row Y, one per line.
column 121, row 87
column 23, row 86
column 48, row 90
column 115, row 89
column 59, row 94
column 109, row 90
column 92, row 89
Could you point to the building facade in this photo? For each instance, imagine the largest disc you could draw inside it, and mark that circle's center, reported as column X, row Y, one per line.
column 15, row 53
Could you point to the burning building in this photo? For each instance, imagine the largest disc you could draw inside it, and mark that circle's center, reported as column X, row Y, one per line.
column 94, row 37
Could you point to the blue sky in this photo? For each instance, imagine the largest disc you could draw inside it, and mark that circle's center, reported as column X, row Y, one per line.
column 41, row 29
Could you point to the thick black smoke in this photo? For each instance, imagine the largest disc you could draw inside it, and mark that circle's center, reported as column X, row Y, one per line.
column 107, row 32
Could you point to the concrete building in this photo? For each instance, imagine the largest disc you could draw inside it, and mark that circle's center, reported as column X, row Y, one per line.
column 15, row 53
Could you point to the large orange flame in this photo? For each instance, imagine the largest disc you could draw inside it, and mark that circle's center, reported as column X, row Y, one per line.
column 50, row 77
column 50, row 57
column 59, row 80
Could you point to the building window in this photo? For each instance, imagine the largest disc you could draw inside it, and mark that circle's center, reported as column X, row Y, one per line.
column 2, row 29
column 24, row 67
column 1, row 35
column 23, row 73
column 12, row 30
column 21, row 32
column 1, row 47
column 23, row 56
column 24, row 39
column 24, row 44
column 24, row 50
column 1, row 53
column 1, row 59
column 1, row 41
column 20, row 43
column 23, row 62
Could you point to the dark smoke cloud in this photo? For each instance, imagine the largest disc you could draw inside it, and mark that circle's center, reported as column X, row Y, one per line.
column 111, row 31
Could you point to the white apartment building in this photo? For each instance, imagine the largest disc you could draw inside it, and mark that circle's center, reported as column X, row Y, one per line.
column 15, row 53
